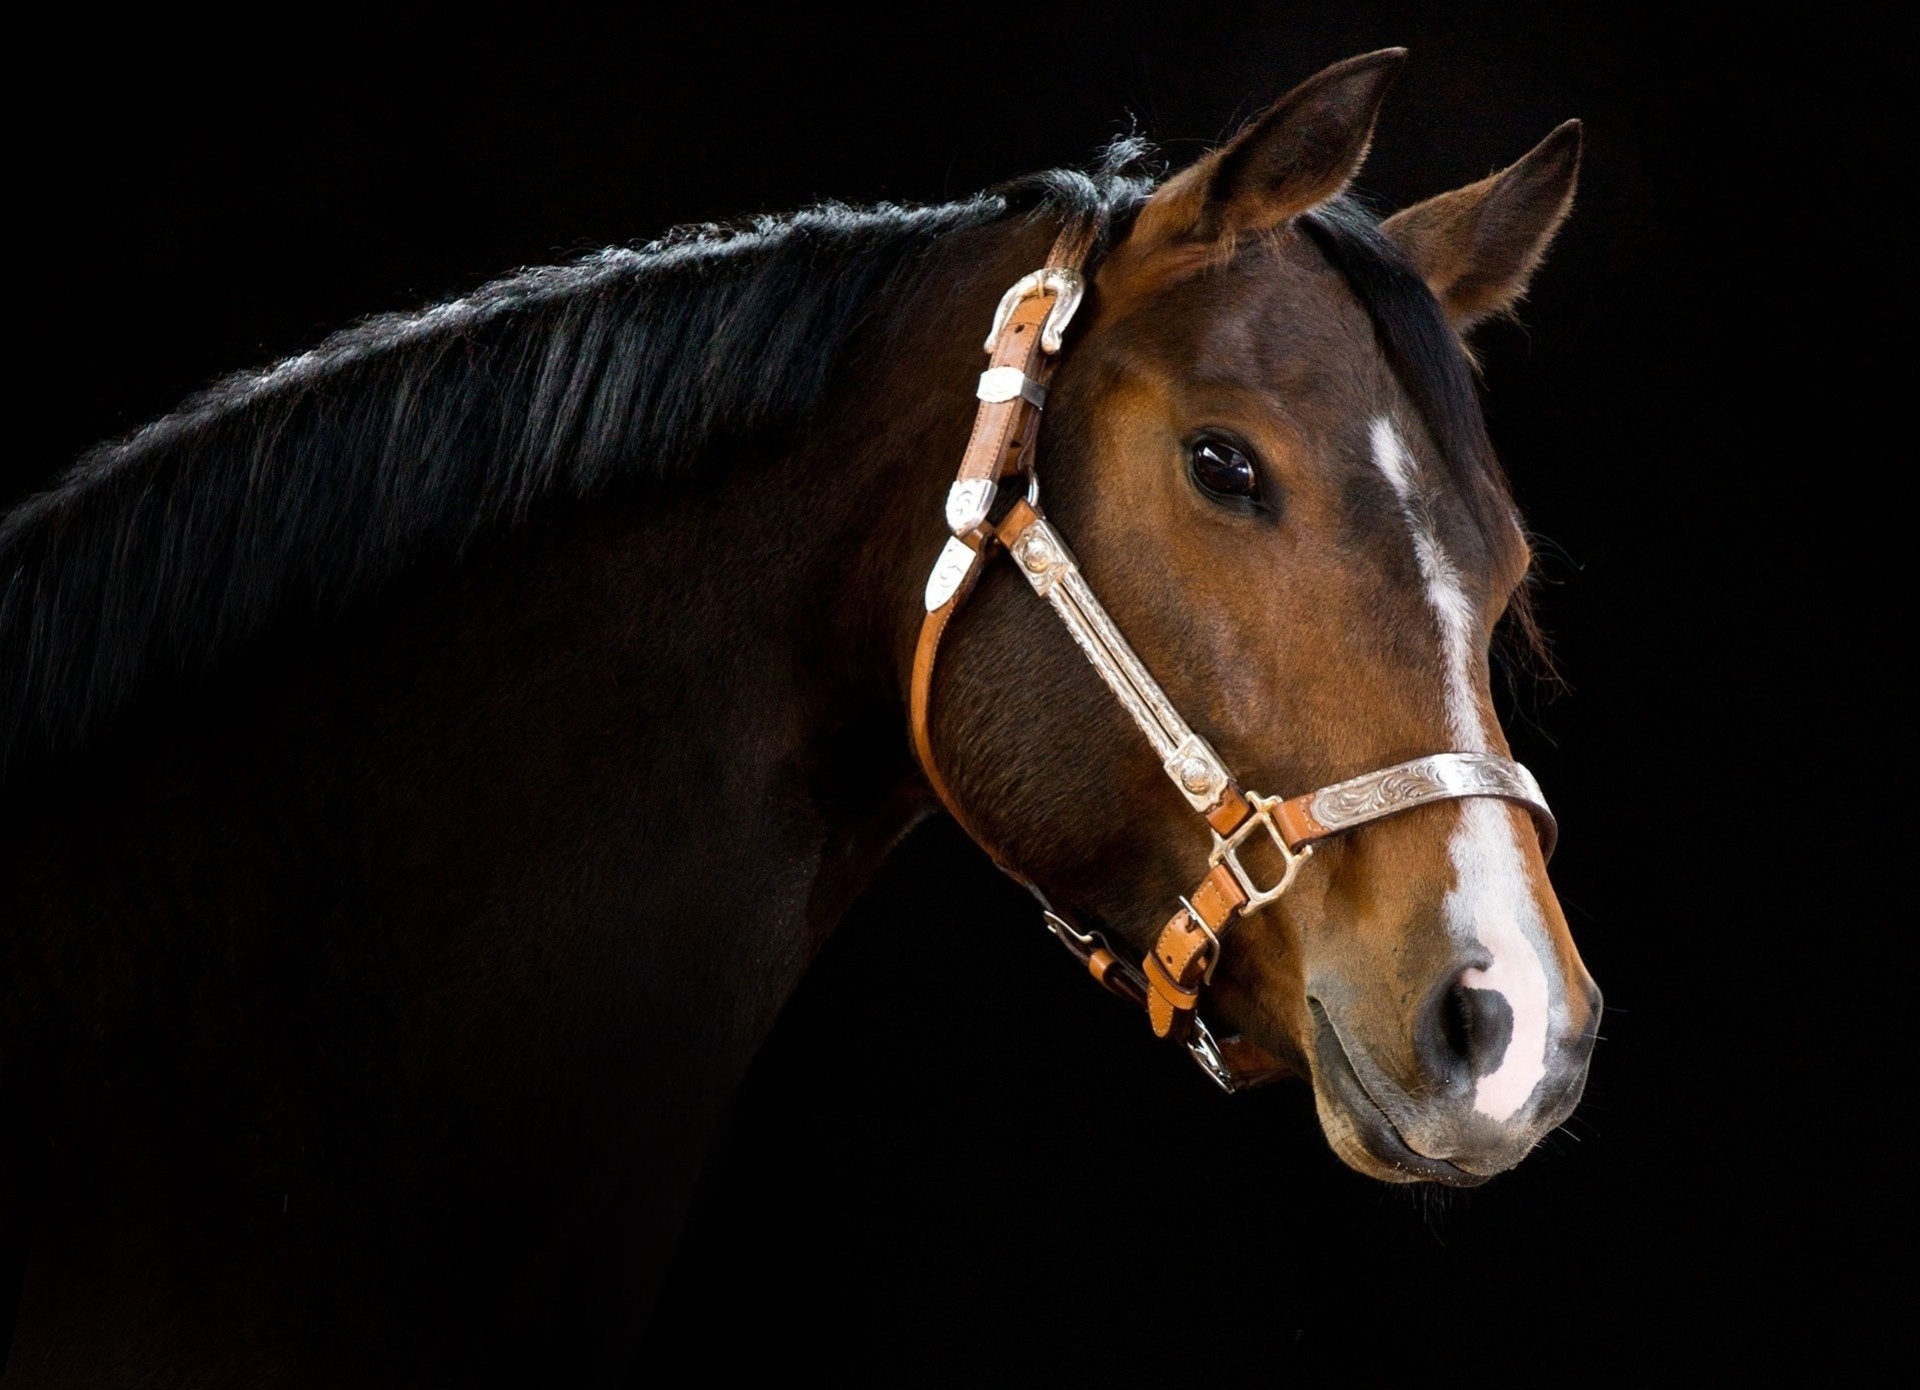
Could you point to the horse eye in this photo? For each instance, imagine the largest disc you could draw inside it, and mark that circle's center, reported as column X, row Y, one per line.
column 1223, row 469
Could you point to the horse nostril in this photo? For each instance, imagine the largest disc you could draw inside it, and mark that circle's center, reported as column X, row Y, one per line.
column 1469, row 1030
column 1456, row 1022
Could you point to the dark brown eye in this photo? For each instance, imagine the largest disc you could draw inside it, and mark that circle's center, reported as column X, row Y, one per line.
column 1222, row 469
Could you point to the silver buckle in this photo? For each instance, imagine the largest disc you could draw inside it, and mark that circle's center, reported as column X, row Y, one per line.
column 1068, row 288
column 1227, row 852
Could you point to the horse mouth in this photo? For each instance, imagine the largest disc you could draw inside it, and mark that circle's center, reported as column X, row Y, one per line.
column 1356, row 1125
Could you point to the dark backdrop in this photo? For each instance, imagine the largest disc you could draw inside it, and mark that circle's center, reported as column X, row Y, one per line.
column 949, row 1163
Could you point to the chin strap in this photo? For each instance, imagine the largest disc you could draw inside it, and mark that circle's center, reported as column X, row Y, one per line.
column 1279, row 834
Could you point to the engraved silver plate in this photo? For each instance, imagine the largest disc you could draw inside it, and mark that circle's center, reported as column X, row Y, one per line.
column 1436, row 777
column 1189, row 762
column 1010, row 383
column 956, row 558
column 968, row 502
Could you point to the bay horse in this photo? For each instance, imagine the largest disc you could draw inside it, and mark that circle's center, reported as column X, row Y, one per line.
column 432, row 761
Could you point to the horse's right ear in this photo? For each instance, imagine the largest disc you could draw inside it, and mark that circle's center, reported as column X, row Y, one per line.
column 1477, row 246
column 1304, row 150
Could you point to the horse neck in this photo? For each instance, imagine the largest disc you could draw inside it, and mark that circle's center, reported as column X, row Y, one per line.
column 527, row 849
column 657, row 740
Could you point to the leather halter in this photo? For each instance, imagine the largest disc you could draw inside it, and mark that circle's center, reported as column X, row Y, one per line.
column 1023, row 350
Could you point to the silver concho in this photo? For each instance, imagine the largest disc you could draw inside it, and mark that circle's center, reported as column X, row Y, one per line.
column 1197, row 770
column 1037, row 553
column 956, row 558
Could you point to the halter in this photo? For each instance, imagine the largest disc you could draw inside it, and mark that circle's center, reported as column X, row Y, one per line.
column 1023, row 350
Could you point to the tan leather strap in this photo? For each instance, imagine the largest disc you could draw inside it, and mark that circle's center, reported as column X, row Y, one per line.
column 1230, row 813
column 1000, row 445
column 1187, row 950
column 920, row 698
column 1218, row 899
column 1073, row 248
column 1003, row 430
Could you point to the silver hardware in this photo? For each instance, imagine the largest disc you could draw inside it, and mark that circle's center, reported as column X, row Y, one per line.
column 1064, row 929
column 956, row 558
column 968, row 502
column 1226, row 851
column 1067, row 286
column 1051, row 570
column 1198, row 771
column 1436, row 777
column 1009, row 383
column 1206, row 1052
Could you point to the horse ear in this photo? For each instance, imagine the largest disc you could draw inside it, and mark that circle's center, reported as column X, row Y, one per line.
column 1301, row 152
column 1477, row 246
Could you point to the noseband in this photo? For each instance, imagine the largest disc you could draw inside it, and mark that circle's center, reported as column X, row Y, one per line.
column 1023, row 349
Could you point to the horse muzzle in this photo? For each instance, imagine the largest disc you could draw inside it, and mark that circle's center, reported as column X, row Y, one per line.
column 1432, row 1130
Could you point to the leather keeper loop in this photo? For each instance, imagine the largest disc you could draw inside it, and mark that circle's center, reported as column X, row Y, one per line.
column 1169, row 1006
column 1168, row 988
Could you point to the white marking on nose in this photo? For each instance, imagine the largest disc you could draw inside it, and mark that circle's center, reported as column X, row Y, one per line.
column 1491, row 901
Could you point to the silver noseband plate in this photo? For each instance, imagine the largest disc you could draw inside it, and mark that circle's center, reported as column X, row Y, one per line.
column 1436, row 777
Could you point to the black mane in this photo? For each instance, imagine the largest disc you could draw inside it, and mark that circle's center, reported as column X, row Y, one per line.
column 308, row 485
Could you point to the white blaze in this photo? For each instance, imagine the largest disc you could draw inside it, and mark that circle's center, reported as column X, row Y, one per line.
column 1491, row 901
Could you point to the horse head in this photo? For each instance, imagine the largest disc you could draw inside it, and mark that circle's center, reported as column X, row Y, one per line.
column 1264, row 445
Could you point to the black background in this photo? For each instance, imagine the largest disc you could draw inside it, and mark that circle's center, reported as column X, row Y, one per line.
column 956, row 1162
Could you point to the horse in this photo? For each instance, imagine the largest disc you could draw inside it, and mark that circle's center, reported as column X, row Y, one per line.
column 432, row 761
